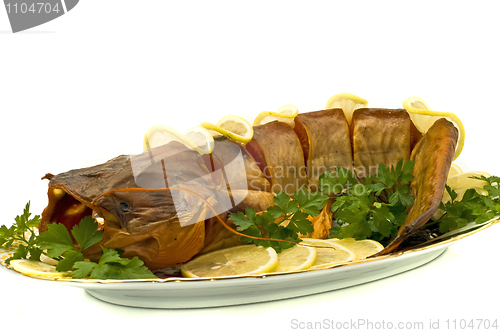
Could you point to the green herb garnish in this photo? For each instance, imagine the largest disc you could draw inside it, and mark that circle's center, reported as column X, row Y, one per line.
column 17, row 232
column 57, row 244
column 293, row 220
column 374, row 209
column 112, row 266
column 395, row 181
column 472, row 206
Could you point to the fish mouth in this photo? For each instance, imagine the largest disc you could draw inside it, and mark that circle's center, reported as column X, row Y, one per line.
column 161, row 244
column 69, row 209
column 65, row 208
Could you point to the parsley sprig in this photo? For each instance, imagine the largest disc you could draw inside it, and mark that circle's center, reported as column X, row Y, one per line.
column 395, row 181
column 473, row 206
column 57, row 243
column 374, row 209
column 18, row 232
column 112, row 266
column 292, row 214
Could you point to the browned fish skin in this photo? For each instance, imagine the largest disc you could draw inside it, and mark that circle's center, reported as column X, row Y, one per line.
column 283, row 155
column 433, row 155
column 329, row 142
column 379, row 136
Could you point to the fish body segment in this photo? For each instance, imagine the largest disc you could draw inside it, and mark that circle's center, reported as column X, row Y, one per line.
column 379, row 136
column 326, row 143
column 279, row 154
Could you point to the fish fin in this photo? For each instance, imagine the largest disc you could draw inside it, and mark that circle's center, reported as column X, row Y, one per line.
column 322, row 223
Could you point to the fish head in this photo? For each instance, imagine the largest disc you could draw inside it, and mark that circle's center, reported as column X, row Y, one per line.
column 152, row 205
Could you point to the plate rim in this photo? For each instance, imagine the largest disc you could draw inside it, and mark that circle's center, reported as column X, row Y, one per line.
column 97, row 282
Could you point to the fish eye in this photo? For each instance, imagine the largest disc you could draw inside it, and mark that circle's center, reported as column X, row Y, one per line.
column 124, row 206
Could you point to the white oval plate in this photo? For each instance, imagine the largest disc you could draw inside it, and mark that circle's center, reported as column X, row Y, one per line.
column 200, row 293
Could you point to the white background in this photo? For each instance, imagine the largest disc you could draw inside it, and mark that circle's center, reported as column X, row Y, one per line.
column 84, row 88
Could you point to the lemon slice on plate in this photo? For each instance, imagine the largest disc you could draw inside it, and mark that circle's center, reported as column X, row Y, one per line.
column 328, row 253
column 232, row 127
column 423, row 118
column 454, row 170
column 285, row 113
column 36, row 268
column 296, row 258
column 347, row 102
column 362, row 248
column 238, row 260
column 196, row 138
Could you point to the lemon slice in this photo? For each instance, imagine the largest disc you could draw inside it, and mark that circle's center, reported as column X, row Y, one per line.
column 196, row 138
column 286, row 114
column 296, row 258
column 362, row 248
column 423, row 118
column 232, row 127
column 347, row 102
column 201, row 138
column 238, row 260
column 36, row 268
column 328, row 253
column 454, row 170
